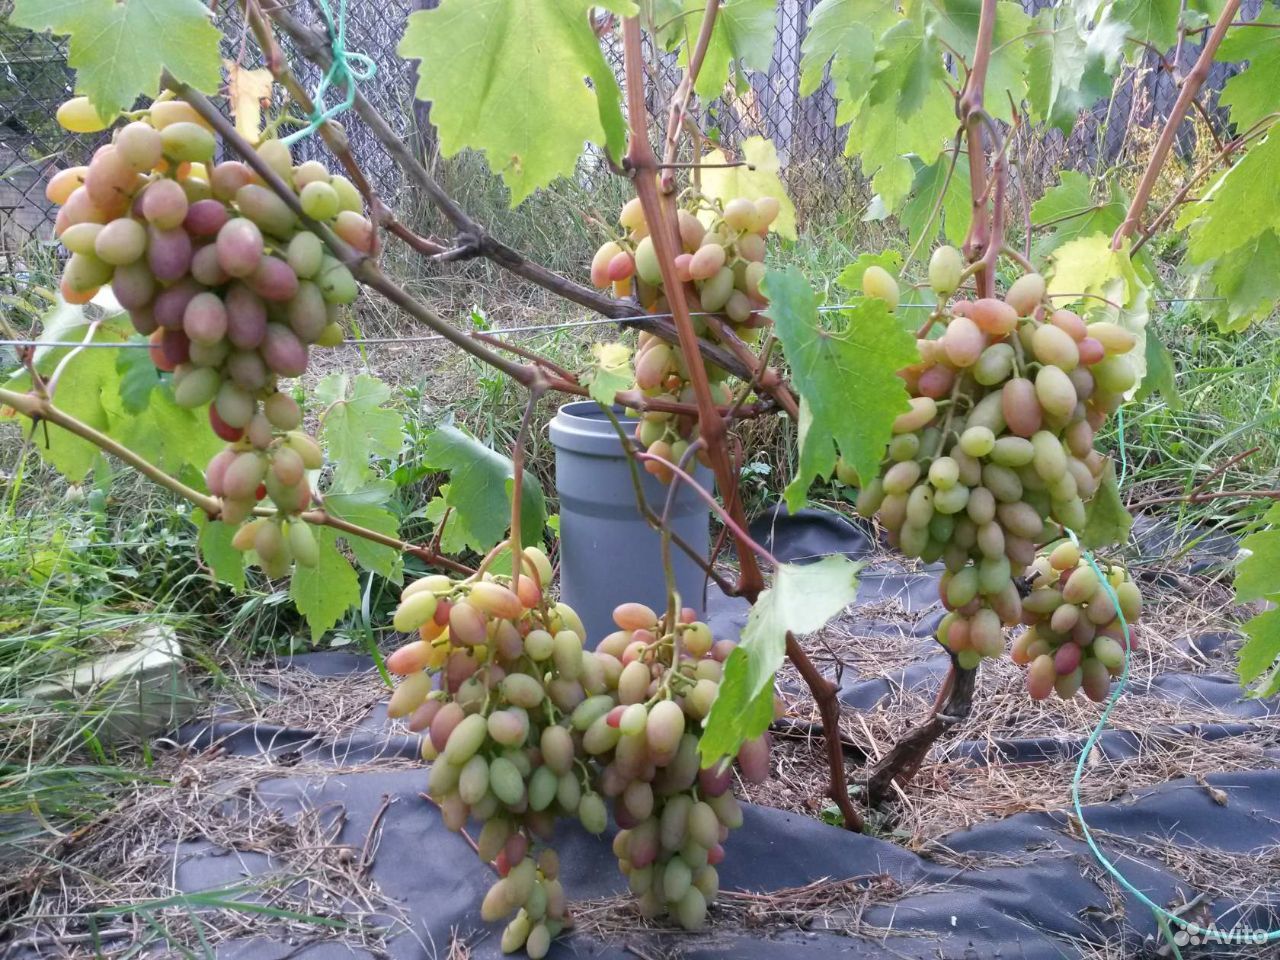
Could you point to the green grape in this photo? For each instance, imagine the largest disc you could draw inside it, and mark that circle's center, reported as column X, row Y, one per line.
column 977, row 441
column 946, row 267
column 944, row 473
column 1054, row 389
column 1026, row 293
column 878, row 283
column 319, row 200
column 715, row 291
column 904, row 446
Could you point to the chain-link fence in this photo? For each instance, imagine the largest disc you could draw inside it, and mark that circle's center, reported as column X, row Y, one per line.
column 34, row 79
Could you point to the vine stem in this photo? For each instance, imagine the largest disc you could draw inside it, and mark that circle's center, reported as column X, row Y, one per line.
column 38, row 408
column 1190, row 87
column 536, row 389
column 680, row 101
column 663, row 231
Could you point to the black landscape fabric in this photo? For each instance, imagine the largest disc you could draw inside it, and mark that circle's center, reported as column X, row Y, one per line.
column 1022, row 887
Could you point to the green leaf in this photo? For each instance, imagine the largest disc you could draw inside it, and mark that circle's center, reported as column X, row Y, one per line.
column 851, row 276
column 760, row 179
column 743, row 34
column 610, row 372
column 956, row 212
column 1071, row 62
column 119, row 47
column 1086, row 269
column 367, row 508
column 909, row 67
column 803, row 598
column 955, row 23
column 479, row 485
column 325, row 592
column 138, row 377
column 1107, row 521
column 1155, row 21
column 356, row 426
column 1070, row 211
column 509, row 78
column 454, row 538
column 1247, row 279
column 168, row 435
column 843, row 33
column 1258, row 575
column 850, row 392
column 1243, row 204
column 1160, row 374
column 1259, row 653
column 225, row 562
column 1251, row 94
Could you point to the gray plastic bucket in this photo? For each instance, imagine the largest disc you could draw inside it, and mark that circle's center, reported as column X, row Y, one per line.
column 608, row 552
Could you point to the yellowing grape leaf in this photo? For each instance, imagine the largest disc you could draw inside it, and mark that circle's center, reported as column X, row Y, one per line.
column 759, row 179
column 247, row 91
column 1103, row 284
column 480, row 488
column 610, row 372
column 119, row 47
column 325, row 592
column 1258, row 578
column 846, row 376
column 803, row 598
column 356, row 426
column 225, row 562
column 509, row 78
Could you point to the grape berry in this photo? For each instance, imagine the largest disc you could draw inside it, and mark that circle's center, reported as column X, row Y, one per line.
column 232, row 291
column 524, row 726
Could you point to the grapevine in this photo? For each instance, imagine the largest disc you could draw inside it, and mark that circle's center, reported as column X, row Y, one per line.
column 216, row 270
column 525, row 725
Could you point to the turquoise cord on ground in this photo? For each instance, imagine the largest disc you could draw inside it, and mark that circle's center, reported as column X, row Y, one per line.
column 346, row 71
column 1163, row 916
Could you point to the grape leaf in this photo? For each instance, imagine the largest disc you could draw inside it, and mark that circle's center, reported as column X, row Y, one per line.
column 168, row 435
column 1155, row 21
column 356, row 426
column 1071, row 63
column 1247, row 279
column 138, row 377
column 1160, row 376
column 1070, row 211
column 1243, row 204
column 509, row 78
column 247, row 92
column 479, row 487
column 119, row 47
column 325, row 592
column 908, row 67
column 760, row 179
column 743, row 33
column 850, row 392
column 953, row 219
column 610, row 372
column 1086, row 269
column 367, row 508
column 1258, row 578
column 843, row 33
column 1251, row 93
column 955, row 24
column 225, row 562
column 803, row 598
column 1106, row 520
column 454, row 538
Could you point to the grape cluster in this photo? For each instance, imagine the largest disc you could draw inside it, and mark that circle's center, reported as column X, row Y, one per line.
column 995, row 455
column 217, row 270
column 724, row 264
column 524, row 725
column 1074, row 639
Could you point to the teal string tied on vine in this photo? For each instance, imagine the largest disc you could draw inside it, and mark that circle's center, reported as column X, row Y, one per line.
column 346, row 71
column 1165, row 919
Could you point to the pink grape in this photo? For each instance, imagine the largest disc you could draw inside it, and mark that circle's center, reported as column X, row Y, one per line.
column 205, row 318
column 133, row 285
column 273, row 280
column 205, row 218
column 240, row 247
column 246, row 317
column 168, row 252
column 171, row 303
column 164, row 204
column 285, row 353
column 1041, row 675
